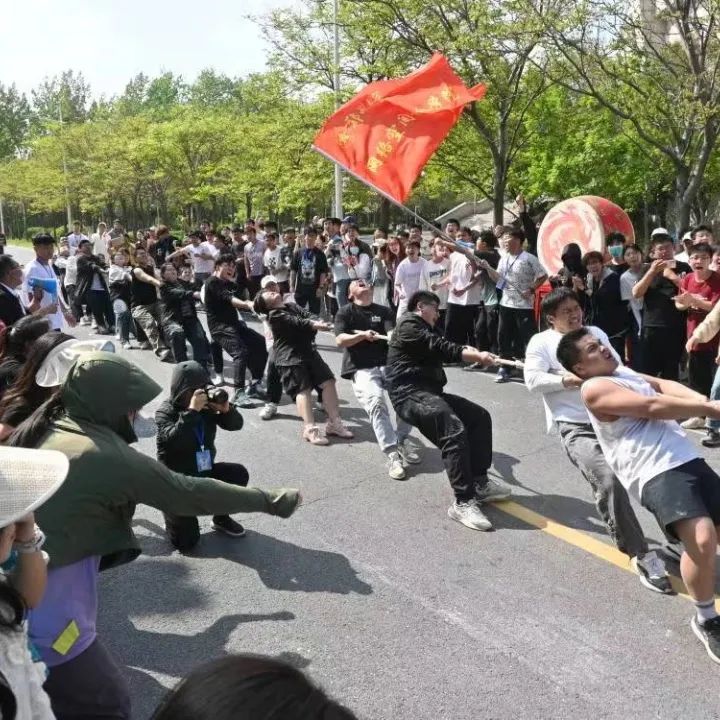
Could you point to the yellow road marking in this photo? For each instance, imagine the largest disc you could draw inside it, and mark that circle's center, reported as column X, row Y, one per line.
column 583, row 541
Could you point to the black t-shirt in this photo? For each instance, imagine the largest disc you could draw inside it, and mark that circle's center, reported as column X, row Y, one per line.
column 143, row 293
column 618, row 269
column 162, row 248
column 658, row 305
column 309, row 266
column 365, row 354
column 218, row 303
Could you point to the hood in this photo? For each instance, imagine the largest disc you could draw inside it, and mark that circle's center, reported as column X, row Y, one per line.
column 103, row 388
column 187, row 375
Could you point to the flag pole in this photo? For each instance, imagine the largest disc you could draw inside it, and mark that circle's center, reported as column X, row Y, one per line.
column 431, row 226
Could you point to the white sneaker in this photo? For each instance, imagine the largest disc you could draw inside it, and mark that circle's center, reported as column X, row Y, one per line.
column 93, row 325
column 493, row 491
column 395, row 466
column 84, row 321
column 470, row 515
column 117, row 336
column 127, row 345
column 693, row 423
column 269, row 411
column 218, row 379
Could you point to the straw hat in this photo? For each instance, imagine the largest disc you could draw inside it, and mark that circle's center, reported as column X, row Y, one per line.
column 28, row 478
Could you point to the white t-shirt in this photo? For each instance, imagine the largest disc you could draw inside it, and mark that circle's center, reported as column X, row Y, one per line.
column 70, row 271
column 518, row 274
column 200, row 265
column 74, row 240
column 35, row 269
column 628, row 280
column 543, row 374
column 461, row 275
column 407, row 281
column 276, row 262
column 639, row 449
column 434, row 272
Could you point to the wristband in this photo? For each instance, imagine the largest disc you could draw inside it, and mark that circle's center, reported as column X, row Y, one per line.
column 31, row 546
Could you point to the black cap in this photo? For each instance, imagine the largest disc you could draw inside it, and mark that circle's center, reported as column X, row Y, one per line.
column 238, row 228
column 43, row 239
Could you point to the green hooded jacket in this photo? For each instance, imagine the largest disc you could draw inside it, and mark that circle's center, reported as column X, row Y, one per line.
column 91, row 514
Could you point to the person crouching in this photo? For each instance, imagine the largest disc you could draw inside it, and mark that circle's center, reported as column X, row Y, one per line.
column 187, row 423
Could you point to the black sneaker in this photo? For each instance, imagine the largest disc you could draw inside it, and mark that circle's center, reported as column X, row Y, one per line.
column 652, row 573
column 255, row 391
column 709, row 635
column 711, row 439
column 225, row 524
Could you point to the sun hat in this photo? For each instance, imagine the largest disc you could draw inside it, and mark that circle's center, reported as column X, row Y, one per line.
column 267, row 280
column 28, row 478
column 659, row 231
column 55, row 367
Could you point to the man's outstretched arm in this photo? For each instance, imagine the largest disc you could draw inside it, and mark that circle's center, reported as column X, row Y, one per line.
column 608, row 401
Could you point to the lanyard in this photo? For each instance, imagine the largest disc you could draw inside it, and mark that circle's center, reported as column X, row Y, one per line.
column 199, row 431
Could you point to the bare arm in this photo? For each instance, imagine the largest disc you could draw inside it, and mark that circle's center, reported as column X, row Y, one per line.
column 144, row 277
column 673, row 389
column 608, row 401
column 643, row 285
column 344, row 340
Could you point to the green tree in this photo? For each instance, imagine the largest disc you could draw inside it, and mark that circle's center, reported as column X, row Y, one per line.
column 656, row 71
column 15, row 117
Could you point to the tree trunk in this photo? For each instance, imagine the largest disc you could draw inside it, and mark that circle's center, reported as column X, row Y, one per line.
column 384, row 217
column 248, row 206
column 499, row 187
column 683, row 201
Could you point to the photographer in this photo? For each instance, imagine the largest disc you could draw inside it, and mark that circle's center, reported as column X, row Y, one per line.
column 186, row 428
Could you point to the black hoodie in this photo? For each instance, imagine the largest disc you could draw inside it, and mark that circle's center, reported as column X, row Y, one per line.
column 180, row 429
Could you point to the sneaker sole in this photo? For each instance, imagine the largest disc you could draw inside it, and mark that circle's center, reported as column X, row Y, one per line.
column 702, row 639
column 459, row 519
column 223, row 530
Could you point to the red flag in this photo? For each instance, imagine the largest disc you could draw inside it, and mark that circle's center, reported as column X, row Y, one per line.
column 386, row 134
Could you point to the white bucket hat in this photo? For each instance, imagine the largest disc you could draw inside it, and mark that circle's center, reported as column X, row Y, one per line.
column 28, row 478
column 55, row 367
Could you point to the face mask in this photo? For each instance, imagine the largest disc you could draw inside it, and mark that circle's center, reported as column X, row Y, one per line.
column 355, row 250
column 616, row 251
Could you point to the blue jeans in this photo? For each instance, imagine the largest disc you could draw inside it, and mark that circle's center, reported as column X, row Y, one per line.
column 123, row 319
column 715, row 395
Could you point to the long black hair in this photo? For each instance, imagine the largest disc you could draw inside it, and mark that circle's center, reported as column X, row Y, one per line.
column 15, row 339
column 24, row 396
column 249, row 687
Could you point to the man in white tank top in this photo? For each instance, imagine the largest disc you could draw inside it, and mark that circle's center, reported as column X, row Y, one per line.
column 565, row 412
column 634, row 417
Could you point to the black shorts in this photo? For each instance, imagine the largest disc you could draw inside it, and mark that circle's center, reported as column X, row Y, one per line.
column 311, row 373
column 689, row 491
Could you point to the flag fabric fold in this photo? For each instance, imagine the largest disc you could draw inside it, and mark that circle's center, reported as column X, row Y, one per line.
column 386, row 133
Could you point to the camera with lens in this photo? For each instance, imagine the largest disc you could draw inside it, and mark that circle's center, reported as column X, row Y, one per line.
column 216, row 395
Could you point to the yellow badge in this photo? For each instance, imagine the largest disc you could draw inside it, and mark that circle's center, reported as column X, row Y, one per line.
column 67, row 638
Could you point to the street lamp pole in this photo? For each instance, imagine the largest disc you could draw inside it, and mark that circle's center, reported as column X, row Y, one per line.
column 336, row 82
column 65, row 172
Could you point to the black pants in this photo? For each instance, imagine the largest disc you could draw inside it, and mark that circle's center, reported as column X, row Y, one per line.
column 90, row 685
column 274, row 383
column 460, row 323
column 486, row 328
column 515, row 328
column 701, row 371
column 307, row 297
column 253, row 285
column 192, row 331
column 101, row 308
column 461, row 430
column 245, row 347
column 184, row 532
column 661, row 351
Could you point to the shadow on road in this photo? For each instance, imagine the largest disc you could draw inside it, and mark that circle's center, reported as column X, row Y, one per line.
column 279, row 564
column 282, row 565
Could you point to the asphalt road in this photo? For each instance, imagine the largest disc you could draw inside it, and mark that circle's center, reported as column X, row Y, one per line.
column 395, row 609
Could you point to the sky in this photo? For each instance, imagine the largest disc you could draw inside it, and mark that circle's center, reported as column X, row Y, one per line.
column 111, row 41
